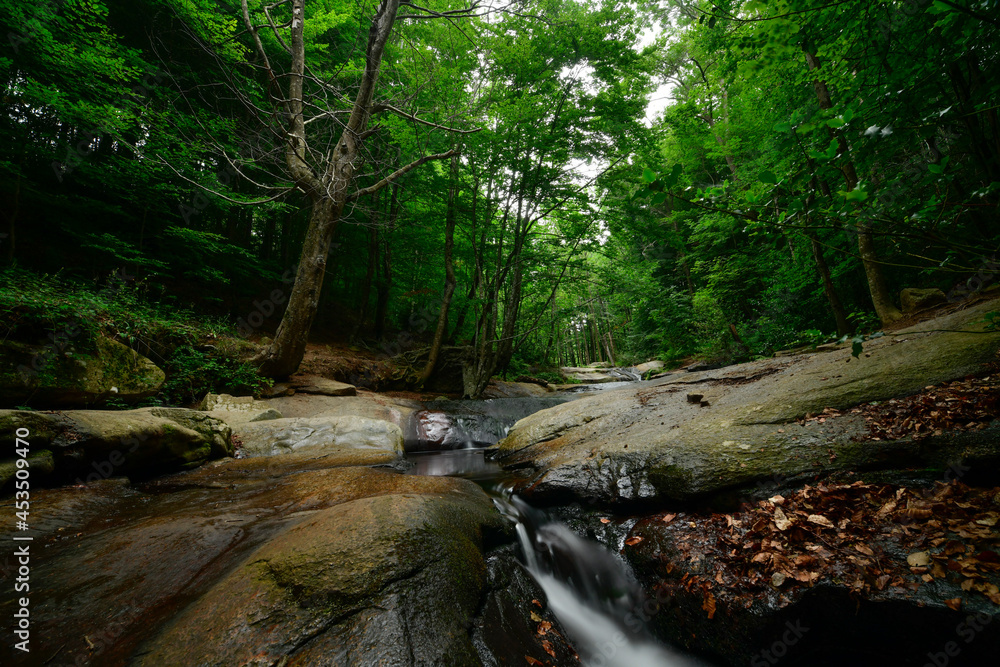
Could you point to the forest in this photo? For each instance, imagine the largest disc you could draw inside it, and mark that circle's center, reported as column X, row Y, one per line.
column 539, row 333
column 541, row 183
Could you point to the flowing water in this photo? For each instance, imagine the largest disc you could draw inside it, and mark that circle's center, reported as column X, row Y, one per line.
column 589, row 588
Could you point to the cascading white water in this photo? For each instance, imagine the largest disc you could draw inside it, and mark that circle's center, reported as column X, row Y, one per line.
column 590, row 592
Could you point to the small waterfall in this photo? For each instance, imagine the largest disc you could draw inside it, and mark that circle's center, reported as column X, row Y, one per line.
column 590, row 591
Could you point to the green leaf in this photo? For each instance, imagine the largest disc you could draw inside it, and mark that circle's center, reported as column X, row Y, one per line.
column 711, row 22
column 659, row 198
column 938, row 7
column 648, row 175
column 848, row 115
column 767, row 176
column 935, row 169
column 831, row 151
column 857, row 347
column 856, row 195
column 835, row 123
column 783, row 127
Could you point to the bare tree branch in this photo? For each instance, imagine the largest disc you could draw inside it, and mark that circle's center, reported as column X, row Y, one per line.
column 400, row 172
column 284, row 191
column 413, row 117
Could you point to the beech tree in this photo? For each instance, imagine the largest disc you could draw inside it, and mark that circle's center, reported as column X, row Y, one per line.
column 325, row 174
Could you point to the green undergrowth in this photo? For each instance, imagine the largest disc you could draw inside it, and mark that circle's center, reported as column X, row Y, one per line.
column 198, row 354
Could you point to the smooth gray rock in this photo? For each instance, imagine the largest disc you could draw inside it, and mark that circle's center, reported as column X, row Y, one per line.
column 91, row 445
column 649, row 442
column 279, row 436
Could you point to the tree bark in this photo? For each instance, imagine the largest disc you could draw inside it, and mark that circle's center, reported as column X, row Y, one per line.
column 449, row 280
column 881, row 297
column 366, row 286
column 385, row 270
column 836, row 307
column 327, row 186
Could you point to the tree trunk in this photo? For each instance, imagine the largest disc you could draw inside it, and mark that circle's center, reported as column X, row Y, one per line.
column 366, row 286
column 449, row 280
column 283, row 356
column 881, row 298
column 836, row 307
column 385, row 271
column 327, row 185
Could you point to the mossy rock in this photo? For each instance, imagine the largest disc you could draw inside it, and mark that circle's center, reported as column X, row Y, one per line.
column 394, row 577
column 90, row 445
column 53, row 376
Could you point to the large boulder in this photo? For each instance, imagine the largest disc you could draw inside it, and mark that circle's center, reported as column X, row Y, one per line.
column 701, row 433
column 124, row 563
column 279, row 436
column 913, row 299
column 314, row 384
column 52, row 376
column 654, row 365
column 587, row 375
column 373, row 406
column 391, row 577
column 90, row 445
column 237, row 409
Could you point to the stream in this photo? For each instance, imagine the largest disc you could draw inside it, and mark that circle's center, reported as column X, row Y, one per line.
column 591, row 591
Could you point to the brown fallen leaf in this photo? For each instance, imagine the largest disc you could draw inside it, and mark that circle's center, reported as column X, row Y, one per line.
column 709, row 604
column 865, row 550
column 605, row 520
column 919, row 559
column 953, row 547
column 532, row 661
column 547, row 645
column 544, row 627
column 820, row 520
column 632, row 541
column 954, row 603
column 781, row 521
column 536, row 618
column 667, row 518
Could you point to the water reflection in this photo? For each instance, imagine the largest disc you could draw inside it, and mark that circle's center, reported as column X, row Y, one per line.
column 468, row 463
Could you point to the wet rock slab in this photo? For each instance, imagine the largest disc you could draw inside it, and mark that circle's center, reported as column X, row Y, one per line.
column 319, row 565
column 91, row 445
column 649, row 442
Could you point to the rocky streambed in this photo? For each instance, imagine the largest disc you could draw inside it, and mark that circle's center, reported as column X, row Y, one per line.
column 818, row 509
